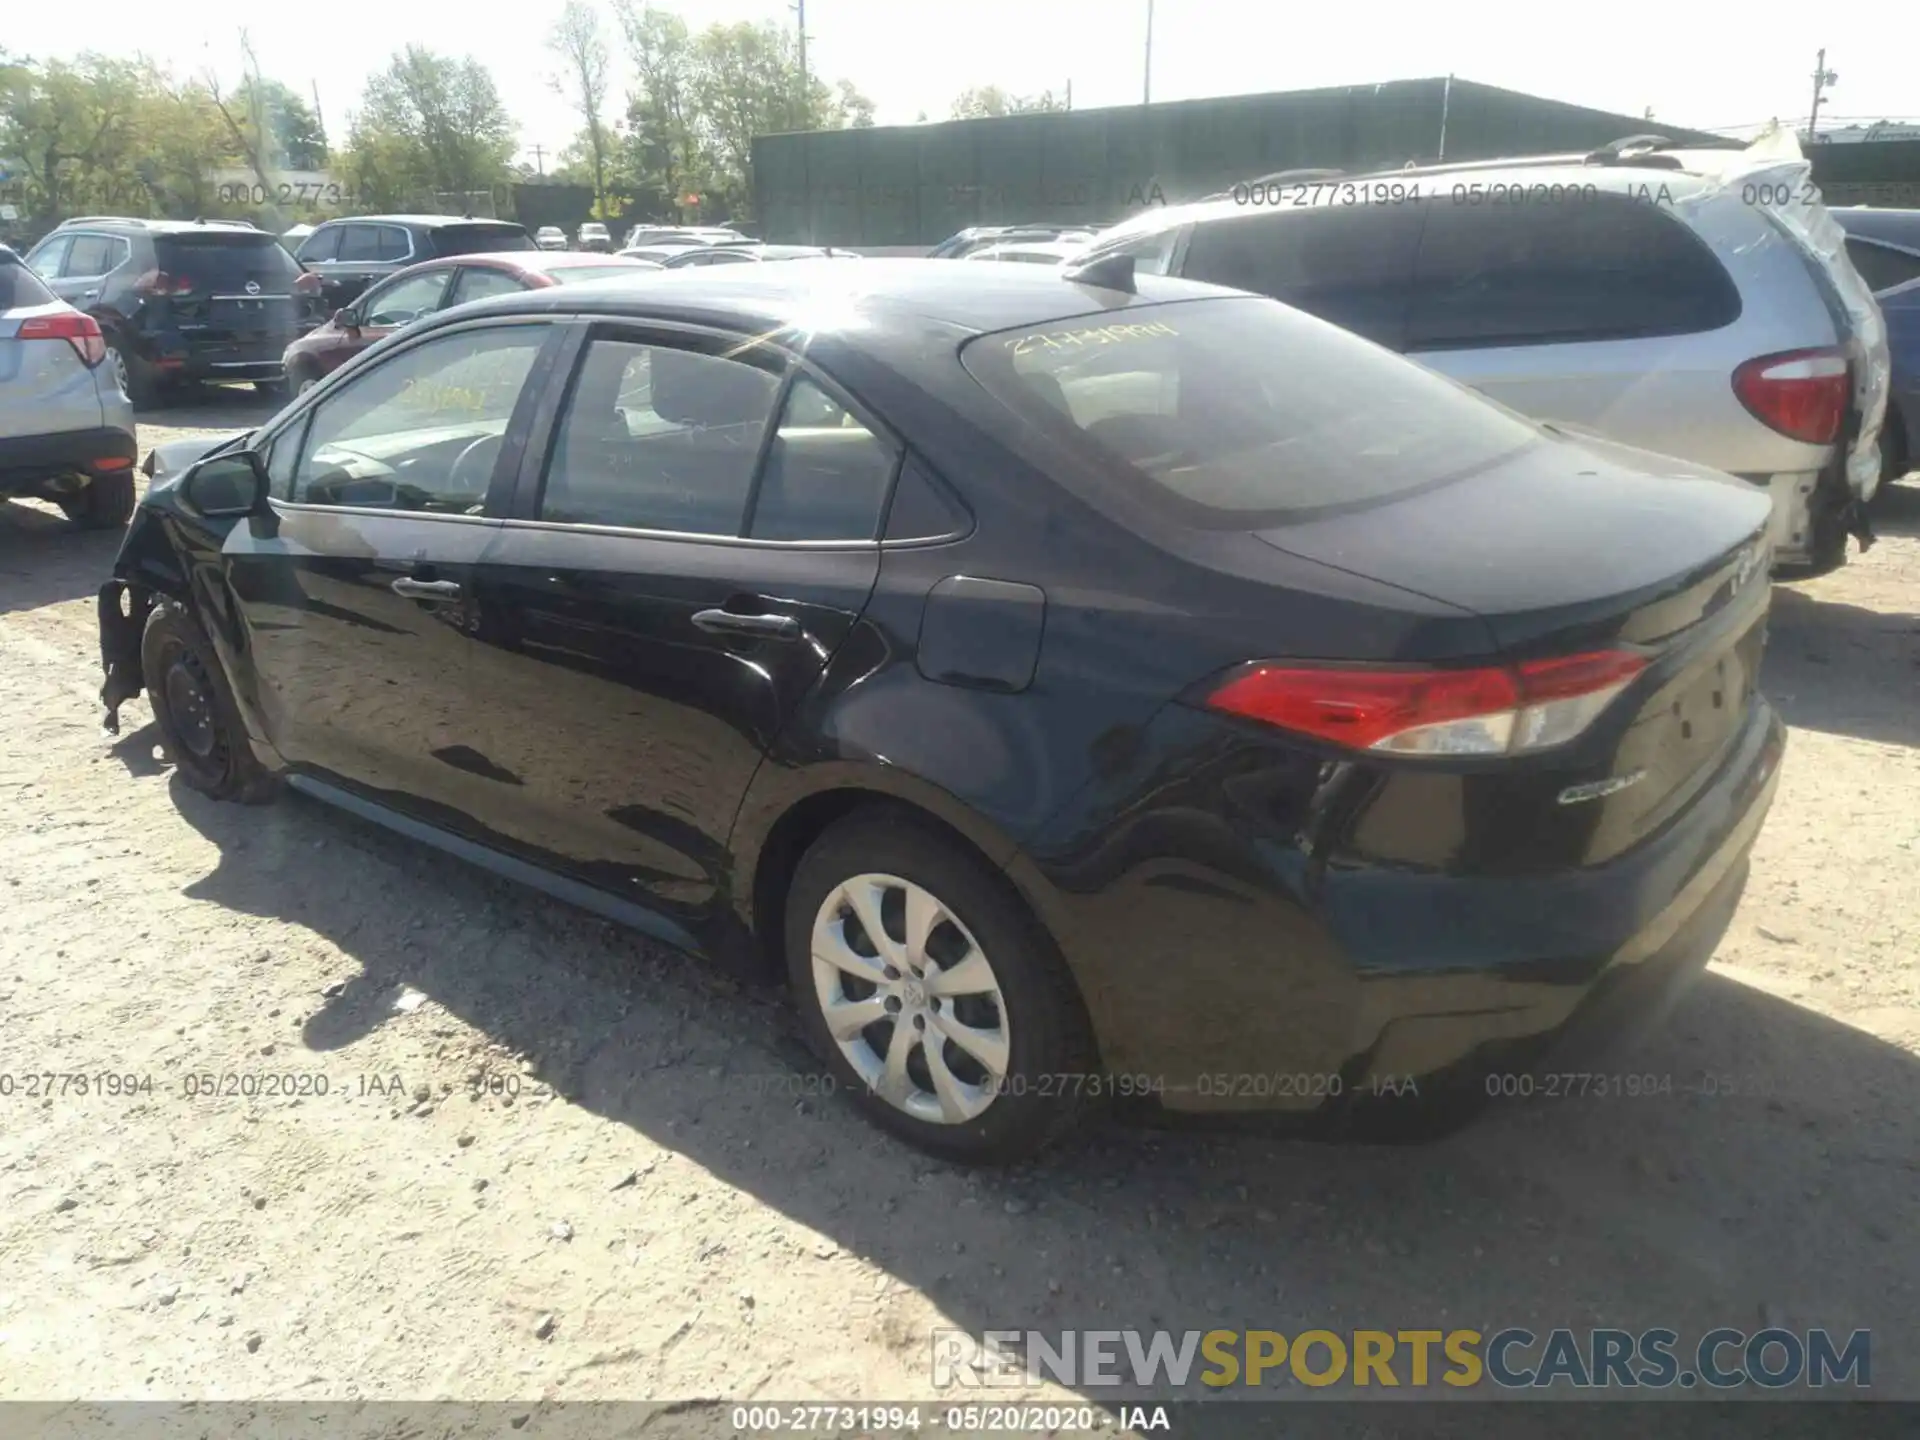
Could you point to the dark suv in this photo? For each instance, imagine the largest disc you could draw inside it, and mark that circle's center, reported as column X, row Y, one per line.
column 349, row 255
column 181, row 299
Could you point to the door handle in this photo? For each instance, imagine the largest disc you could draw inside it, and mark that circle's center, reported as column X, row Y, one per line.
column 89, row 294
column 426, row 589
column 760, row 627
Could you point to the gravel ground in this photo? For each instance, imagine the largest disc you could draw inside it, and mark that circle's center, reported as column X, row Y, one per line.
column 554, row 1161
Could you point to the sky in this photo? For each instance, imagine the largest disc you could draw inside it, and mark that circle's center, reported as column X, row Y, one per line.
column 1695, row 65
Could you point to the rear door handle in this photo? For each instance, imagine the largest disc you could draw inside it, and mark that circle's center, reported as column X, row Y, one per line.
column 426, row 589
column 761, row 627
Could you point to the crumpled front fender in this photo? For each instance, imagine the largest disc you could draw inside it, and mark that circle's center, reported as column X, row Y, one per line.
column 146, row 568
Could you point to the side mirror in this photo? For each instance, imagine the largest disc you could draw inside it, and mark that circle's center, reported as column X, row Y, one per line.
column 346, row 318
column 227, row 486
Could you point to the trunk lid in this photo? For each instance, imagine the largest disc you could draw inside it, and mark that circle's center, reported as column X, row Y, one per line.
column 1578, row 545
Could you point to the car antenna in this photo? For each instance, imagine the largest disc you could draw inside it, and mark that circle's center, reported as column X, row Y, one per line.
column 1109, row 272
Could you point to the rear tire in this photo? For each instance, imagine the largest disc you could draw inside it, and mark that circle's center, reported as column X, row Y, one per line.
column 106, row 503
column 1015, row 1004
column 136, row 376
column 194, row 709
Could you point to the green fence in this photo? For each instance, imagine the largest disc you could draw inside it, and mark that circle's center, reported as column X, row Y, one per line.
column 917, row 184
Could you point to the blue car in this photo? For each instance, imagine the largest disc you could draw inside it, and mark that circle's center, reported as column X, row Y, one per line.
column 1884, row 246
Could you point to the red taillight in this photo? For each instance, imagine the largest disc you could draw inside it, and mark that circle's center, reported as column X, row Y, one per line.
column 80, row 331
column 1800, row 393
column 159, row 282
column 1496, row 710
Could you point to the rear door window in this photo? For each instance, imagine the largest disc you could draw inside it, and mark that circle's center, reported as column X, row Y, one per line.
column 1351, row 264
column 826, row 473
column 360, row 244
column 93, row 255
column 394, row 243
column 1240, row 412
column 226, row 262
column 1540, row 272
column 656, row 437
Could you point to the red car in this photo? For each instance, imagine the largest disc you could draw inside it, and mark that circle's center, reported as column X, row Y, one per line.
column 421, row 290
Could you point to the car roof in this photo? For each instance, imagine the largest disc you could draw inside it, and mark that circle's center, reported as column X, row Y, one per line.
column 426, row 222
column 1685, row 174
column 903, row 308
column 154, row 227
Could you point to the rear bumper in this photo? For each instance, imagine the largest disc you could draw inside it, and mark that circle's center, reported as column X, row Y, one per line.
column 188, row 357
column 1237, row 980
column 32, row 463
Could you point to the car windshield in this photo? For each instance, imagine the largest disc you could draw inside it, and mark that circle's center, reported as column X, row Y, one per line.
column 1243, row 408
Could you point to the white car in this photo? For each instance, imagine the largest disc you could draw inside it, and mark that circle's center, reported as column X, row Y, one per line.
column 550, row 237
column 1031, row 252
column 66, row 425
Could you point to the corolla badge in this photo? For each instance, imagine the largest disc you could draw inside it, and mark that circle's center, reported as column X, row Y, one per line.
column 1600, row 789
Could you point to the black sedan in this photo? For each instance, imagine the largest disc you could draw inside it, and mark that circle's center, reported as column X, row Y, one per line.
column 1076, row 687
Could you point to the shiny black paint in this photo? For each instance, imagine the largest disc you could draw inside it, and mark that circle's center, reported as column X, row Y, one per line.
column 1231, row 900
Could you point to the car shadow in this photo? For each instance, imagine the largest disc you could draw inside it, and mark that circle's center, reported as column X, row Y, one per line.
column 1763, row 1172
column 46, row 558
column 1842, row 668
column 1896, row 508
column 210, row 407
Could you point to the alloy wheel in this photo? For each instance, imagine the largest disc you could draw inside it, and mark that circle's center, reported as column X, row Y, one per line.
column 119, row 364
column 910, row 999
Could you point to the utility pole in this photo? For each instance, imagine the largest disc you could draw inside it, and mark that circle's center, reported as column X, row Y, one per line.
column 1822, row 79
column 540, row 161
column 1069, row 92
column 1146, row 80
column 800, row 10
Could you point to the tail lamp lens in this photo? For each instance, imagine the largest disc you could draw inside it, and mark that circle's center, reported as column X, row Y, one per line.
column 1495, row 710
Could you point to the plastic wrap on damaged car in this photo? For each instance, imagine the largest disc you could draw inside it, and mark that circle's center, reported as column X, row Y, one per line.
column 1775, row 175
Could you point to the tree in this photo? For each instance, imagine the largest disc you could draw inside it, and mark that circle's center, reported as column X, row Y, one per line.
column 661, row 149
column 429, row 123
column 989, row 100
column 582, row 47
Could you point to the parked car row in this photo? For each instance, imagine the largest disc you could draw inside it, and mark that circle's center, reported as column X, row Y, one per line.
column 960, row 641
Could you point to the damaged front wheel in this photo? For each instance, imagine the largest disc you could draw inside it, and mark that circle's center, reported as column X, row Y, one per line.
column 199, row 723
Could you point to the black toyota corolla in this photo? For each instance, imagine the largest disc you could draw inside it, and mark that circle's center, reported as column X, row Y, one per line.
column 1077, row 686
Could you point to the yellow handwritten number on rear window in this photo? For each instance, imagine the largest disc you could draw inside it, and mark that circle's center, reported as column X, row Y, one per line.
column 1093, row 335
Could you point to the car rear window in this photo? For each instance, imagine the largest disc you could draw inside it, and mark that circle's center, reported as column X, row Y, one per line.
column 20, row 288
column 1244, row 407
column 480, row 239
column 217, row 262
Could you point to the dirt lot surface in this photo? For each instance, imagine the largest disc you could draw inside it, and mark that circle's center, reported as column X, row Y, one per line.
column 555, row 1161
